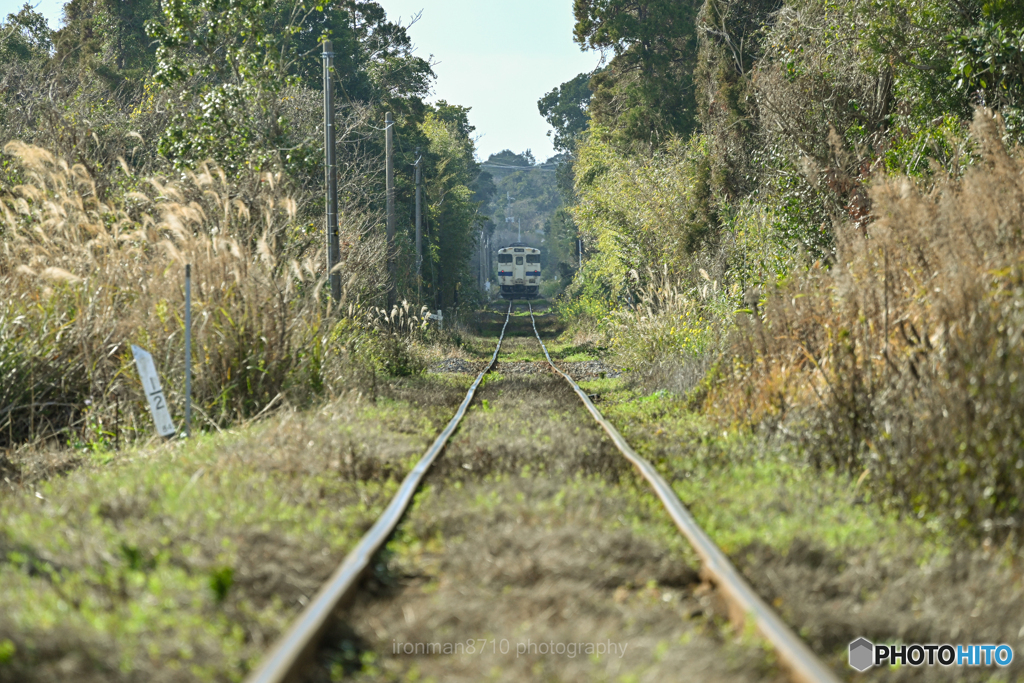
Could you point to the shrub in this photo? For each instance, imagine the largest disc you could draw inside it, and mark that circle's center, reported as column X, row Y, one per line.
column 902, row 362
column 636, row 212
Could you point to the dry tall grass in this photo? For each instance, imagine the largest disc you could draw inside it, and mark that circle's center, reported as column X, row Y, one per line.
column 903, row 363
column 674, row 331
column 83, row 279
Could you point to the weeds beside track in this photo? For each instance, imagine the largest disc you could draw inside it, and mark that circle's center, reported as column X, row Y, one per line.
column 289, row 654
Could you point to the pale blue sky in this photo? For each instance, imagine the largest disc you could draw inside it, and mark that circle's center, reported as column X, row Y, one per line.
column 498, row 57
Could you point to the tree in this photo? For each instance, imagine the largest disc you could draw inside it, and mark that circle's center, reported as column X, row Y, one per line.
column 565, row 109
column 507, row 157
column 229, row 62
column 645, row 95
column 108, row 38
column 25, row 36
column 452, row 211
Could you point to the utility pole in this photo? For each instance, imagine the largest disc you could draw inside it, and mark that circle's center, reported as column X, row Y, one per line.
column 419, row 227
column 389, row 171
column 331, row 171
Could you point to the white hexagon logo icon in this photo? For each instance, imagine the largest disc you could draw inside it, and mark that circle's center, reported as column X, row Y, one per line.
column 862, row 654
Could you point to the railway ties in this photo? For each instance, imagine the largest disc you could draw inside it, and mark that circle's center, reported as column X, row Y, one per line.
column 541, row 570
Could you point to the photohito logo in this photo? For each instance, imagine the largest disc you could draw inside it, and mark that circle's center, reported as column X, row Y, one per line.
column 864, row 654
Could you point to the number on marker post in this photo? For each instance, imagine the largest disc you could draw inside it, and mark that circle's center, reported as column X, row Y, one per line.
column 155, row 394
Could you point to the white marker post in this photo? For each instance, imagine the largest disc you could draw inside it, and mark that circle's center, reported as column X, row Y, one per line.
column 155, row 394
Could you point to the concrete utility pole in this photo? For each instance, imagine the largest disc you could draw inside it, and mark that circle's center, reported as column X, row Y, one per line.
column 419, row 226
column 331, row 171
column 390, row 172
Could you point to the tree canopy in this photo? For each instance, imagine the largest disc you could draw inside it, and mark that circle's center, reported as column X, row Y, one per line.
column 645, row 94
column 565, row 109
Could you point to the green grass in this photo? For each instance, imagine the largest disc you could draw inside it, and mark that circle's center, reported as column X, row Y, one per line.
column 191, row 556
column 743, row 491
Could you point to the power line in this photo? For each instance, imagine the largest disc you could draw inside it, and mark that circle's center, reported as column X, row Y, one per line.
column 538, row 167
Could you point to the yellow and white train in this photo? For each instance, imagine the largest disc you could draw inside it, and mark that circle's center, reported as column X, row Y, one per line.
column 519, row 271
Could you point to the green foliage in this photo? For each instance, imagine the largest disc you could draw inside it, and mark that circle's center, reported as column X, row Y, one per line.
column 921, row 150
column 625, row 204
column 669, row 323
column 25, row 36
column 562, row 253
column 453, row 219
column 780, row 200
column 988, row 61
column 109, row 39
column 590, row 298
column 221, row 580
column 226, row 66
column 238, row 53
column 645, row 95
column 565, row 109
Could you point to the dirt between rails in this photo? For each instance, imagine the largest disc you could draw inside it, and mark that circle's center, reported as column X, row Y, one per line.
column 578, row 370
column 534, row 553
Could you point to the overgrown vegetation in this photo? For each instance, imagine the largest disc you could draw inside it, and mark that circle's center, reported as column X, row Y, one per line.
column 830, row 250
column 185, row 561
column 139, row 139
column 85, row 279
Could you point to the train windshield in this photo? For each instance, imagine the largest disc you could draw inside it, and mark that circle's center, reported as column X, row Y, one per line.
column 519, row 260
column 504, row 258
column 533, row 258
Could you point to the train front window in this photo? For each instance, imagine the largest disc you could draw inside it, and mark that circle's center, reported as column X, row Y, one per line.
column 519, row 260
column 504, row 258
column 533, row 258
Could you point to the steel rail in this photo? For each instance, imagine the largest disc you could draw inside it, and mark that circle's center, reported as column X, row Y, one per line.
column 803, row 665
column 298, row 642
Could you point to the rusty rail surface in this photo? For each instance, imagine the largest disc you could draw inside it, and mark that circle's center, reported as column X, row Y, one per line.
column 803, row 665
column 299, row 641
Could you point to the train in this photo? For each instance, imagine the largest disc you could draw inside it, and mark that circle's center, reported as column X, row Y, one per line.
column 519, row 271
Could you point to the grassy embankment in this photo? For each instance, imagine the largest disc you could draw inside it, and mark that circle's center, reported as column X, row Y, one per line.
column 832, row 554
column 125, row 560
column 182, row 561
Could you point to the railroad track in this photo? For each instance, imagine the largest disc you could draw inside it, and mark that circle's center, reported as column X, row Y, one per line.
column 300, row 641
